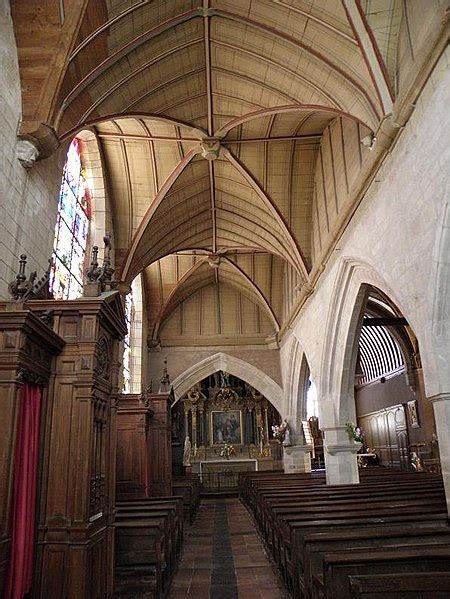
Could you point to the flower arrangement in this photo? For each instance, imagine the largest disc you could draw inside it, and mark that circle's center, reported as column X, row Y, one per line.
column 279, row 431
column 354, row 432
column 227, row 451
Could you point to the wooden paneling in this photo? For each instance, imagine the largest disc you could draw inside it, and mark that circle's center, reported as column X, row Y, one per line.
column 386, row 432
column 27, row 347
column 133, row 447
column 160, row 445
column 77, row 494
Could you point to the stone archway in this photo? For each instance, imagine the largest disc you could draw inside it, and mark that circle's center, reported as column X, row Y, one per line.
column 235, row 366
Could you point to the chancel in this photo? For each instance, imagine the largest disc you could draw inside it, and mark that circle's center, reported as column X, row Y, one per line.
column 224, row 299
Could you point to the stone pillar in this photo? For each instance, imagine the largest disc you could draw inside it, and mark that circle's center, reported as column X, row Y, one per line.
column 341, row 463
column 441, row 406
column 296, row 458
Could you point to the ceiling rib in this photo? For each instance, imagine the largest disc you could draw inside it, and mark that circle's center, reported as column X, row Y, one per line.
column 207, row 42
column 299, row 44
column 309, row 15
column 287, row 108
column 372, row 57
column 113, row 58
column 265, row 59
column 156, row 202
column 212, row 189
column 299, row 261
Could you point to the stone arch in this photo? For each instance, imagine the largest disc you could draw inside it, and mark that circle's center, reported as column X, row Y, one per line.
column 296, row 382
column 350, row 290
column 235, row 366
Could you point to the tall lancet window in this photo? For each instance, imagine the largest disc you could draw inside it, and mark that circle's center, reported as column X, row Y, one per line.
column 132, row 354
column 71, row 229
column 129, row 316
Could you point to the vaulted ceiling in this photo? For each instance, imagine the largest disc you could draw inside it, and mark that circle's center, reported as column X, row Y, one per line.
column 209, row 116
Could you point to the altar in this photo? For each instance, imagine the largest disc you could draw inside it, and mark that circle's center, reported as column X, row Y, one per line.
column 226, row 427
column 239, row 465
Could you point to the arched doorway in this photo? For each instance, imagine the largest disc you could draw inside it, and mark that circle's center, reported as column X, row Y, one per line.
column 390, row 406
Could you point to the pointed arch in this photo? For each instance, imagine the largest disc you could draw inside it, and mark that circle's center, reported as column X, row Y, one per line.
column 125, row 275
column 235, row 366
column 254, row 292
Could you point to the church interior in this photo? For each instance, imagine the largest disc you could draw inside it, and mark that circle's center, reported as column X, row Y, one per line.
column 224, row 299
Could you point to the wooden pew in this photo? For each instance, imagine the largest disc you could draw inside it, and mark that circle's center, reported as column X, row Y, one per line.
column 149, row 534
column 189, row 488
column 288, row 508
column 339, row 566
column 315, row 545
column 413, row 585
column 140, row 565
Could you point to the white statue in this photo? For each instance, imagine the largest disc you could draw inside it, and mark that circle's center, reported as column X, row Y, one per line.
column 187, row 452
column 287, row 435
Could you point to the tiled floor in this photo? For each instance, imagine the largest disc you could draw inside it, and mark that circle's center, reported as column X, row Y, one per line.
column 223, row 557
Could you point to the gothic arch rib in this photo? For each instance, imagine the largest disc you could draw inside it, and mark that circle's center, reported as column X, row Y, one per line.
column 299, row 261
column 201, row 275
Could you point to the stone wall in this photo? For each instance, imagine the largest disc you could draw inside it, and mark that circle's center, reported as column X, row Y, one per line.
column 396, row 240
column 28, row 197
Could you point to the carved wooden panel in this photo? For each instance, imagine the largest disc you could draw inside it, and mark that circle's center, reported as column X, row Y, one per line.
column 76, row 509
column 133, row 450
column 160, row 445
column 27, row 347
column 386, row 432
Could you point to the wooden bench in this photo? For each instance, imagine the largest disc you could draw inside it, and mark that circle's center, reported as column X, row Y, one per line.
column 339, row 567
column 413, row 585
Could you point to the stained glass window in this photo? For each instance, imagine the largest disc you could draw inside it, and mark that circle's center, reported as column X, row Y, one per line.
column 129, row 315
column 71, row 229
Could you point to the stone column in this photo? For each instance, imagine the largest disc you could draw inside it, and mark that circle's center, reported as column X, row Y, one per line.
column 340, row 457
column 296, row 458
column 441, row 406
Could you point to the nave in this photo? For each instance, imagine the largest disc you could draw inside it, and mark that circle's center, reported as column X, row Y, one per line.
column 223, row 557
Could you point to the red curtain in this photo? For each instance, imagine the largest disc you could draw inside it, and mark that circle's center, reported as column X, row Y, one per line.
column 23, row 512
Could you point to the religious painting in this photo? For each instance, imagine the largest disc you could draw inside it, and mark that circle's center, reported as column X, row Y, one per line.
column 413, row 414
column 226, row 427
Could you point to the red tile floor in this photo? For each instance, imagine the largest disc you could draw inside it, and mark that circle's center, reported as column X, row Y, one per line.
column 223, row 557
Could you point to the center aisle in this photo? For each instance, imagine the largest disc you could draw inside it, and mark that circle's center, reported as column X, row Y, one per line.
column 223, row 557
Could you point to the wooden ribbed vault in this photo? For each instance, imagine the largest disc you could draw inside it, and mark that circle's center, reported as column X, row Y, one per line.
column 249, row 84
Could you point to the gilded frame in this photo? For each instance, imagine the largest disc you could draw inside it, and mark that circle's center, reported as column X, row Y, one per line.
column 217, row 423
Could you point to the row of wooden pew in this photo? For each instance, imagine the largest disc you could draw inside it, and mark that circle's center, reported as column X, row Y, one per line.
column 148, row 543
column 387, row 537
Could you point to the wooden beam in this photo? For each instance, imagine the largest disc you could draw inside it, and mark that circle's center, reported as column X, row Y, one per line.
column 384, row 322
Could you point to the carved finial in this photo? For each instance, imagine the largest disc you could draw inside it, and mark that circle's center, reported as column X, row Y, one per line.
column 93, row 272
column 20, row 286
column 107, row 270
column 22, row 289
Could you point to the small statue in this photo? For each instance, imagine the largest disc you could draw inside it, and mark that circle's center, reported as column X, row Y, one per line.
column 187, row 452
column 224, row 380
column 416, row 462
column 287, row 435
